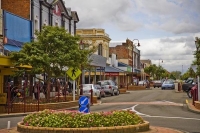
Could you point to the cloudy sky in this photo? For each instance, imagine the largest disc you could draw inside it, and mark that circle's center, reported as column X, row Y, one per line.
column 165, row 28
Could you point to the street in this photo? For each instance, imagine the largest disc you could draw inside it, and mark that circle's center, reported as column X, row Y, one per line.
column 165, row 108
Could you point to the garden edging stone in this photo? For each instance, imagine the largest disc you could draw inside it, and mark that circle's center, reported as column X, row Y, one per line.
column 125, row 129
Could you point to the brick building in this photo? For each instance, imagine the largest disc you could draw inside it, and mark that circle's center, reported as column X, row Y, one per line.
column 127, row 53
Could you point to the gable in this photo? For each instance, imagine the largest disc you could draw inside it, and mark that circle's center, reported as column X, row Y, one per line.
column 59, row 8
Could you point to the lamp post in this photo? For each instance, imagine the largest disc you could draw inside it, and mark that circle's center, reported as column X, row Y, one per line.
column 161, row 61
column 197, row 43
column 138, row 44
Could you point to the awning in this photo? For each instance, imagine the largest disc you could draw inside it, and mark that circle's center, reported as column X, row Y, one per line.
column 97, row 60
column 13, row 45
column 11, row 48
column 110, row 69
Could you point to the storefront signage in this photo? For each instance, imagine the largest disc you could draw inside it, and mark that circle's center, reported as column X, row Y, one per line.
column 112, row 74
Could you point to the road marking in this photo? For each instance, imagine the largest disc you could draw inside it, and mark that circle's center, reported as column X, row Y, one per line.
column 150, row 103
column 167, row 117
column 186, row 101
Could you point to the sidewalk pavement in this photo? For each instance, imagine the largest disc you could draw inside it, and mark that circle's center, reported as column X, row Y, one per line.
column 153, row 129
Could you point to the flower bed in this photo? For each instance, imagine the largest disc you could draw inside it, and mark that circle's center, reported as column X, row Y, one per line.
column 67, row 121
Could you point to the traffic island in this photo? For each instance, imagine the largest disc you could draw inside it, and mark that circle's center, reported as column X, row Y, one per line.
column 117, row 129
column 51, row 121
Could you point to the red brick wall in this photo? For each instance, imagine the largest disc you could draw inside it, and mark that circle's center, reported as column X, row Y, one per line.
column 18, row 7
column 120, row 51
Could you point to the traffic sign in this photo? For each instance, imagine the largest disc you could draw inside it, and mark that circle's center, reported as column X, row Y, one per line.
column 84, row 100
column 73, row 73
column 84, row 109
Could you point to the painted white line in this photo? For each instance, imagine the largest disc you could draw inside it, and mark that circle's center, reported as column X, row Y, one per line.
column 133, row 109
column 173, row 117
column 165, row 117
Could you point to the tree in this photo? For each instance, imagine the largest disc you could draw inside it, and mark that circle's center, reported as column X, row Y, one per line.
column 51, row 53
column 197, row 55
column 176, row 74
column 151, row 70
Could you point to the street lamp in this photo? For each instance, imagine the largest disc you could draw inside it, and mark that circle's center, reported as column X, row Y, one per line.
column 197, row 43
column 161, row 61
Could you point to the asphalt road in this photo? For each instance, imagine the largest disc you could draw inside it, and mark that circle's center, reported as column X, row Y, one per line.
column 164, row 108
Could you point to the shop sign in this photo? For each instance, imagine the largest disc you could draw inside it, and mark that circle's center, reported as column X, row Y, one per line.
column 112, row 74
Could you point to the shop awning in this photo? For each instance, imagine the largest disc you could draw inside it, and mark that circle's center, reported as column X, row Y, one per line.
column 11, row 48
column 110, row 69
column 13, row 45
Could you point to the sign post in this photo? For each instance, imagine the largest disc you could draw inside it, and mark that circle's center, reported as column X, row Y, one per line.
column 84, row 104
column 73, row 73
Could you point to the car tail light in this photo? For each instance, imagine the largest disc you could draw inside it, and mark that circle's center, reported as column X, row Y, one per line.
column 110, row 87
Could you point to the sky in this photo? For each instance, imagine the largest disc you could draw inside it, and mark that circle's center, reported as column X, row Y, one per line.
column 166, row 29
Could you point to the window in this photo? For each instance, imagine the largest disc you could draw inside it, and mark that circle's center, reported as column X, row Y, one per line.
column 100, row 49
column 36, row 25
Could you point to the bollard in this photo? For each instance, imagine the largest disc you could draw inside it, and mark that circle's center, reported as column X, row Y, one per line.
column 8, row 126
column 91, row 99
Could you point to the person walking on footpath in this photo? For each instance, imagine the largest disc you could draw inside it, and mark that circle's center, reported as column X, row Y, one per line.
column 35, row 90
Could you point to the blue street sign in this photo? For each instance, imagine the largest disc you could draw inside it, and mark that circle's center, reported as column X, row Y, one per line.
column 84, row 109
column 84, row 100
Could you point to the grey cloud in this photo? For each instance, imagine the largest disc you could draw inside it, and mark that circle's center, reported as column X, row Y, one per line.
column 97, row 13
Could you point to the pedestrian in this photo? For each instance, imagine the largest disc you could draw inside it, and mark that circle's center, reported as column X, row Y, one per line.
column 35, row 90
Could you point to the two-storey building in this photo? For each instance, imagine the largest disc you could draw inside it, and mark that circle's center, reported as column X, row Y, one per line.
column 127, row 53
column 100, row 39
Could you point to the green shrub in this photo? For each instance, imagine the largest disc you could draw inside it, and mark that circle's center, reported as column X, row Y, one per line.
column 74, row 119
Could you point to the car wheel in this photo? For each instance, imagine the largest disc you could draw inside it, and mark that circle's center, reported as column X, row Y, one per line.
column 113, row 93
column 117, row 92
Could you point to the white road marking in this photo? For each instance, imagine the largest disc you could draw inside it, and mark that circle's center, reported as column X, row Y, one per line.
column 167, row 117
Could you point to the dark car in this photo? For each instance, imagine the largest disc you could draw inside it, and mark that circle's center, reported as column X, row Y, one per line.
column 187, row 86
column 157, row 83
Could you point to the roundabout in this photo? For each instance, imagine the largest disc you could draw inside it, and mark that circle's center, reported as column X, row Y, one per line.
column 52, row 121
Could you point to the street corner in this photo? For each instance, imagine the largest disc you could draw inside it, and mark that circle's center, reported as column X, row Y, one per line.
column 191, row 107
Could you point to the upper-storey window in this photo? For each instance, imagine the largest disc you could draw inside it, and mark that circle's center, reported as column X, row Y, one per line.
column 100, row 50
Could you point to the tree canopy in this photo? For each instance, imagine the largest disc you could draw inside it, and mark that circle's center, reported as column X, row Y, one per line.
column 51, row 52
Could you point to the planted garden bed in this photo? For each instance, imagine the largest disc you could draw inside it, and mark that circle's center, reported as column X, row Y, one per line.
column 76, row 122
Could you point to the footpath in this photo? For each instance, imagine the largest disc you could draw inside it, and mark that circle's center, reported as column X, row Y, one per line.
column 153, row 129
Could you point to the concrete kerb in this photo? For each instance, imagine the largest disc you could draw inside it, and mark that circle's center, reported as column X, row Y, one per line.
column 191, row 107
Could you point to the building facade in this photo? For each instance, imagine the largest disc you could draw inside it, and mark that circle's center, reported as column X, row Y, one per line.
column 100, row 39
column 127, row 53
column 44, row 12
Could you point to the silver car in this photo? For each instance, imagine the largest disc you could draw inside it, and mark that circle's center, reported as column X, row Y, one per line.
column 87, row 90
column 109, row 87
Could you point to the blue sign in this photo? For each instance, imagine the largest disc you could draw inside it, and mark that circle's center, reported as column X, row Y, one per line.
column 84, row 109
column 84, row 101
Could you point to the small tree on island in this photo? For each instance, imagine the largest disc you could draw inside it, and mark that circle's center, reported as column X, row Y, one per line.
column 52, row 51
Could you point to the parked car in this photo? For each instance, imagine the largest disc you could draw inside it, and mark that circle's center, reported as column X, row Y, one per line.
column 168, row 84
column 109, row 86
column 101, row 89
column 142, row 83
column 87, row 90
column 187, row 86
column 157, row 83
